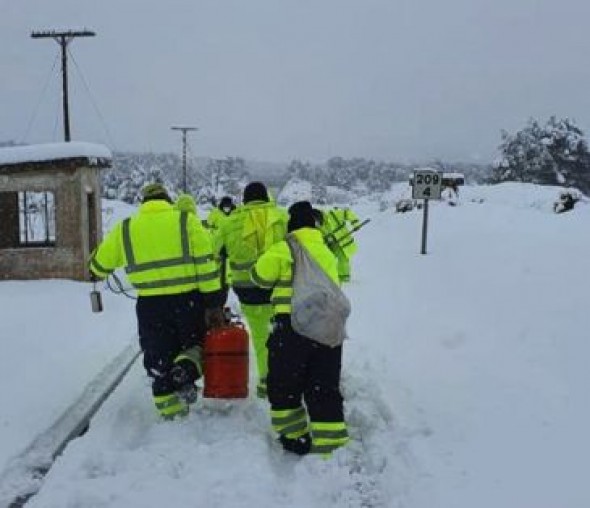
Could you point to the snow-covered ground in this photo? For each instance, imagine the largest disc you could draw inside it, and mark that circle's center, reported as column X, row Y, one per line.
column 465, row 378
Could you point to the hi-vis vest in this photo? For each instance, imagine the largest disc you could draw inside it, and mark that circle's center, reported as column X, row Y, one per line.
column 215, row 218
column 336, row 231
column 273, row 270
column 247, row 233
column 164, row 252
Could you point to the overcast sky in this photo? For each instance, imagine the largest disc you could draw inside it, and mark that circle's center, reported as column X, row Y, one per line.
column 279, row 79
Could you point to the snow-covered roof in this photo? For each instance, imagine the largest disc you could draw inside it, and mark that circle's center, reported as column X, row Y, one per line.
column 96, row 155
column 453, row 175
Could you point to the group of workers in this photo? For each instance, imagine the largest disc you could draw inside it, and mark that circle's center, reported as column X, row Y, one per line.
column 182, row 269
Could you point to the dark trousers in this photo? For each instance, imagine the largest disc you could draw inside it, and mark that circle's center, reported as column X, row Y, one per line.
column 301, row 369
column 168, row 325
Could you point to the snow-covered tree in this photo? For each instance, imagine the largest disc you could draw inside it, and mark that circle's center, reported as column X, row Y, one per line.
column 131, row 171
column 300, row 170
column 342, row 173
column 222, row 177
column 552, row 154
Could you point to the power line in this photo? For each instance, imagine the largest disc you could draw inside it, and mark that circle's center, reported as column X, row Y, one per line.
column 195, row 167
column 93, row 101
column 41, row 97
column 63, row 39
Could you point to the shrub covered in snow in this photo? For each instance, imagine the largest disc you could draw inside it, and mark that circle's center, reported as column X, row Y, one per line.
column 552, row 154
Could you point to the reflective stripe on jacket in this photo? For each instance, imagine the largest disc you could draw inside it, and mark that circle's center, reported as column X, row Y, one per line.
column 336, row 231
column 273, row 270
column 164, row 251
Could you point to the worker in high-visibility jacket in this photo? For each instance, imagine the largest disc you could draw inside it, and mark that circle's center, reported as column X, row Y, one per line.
column 247, row 233
column 216, row 217
column 335, row 225
column 303, row 375
column 168, row 259
column 219, row 213
column 186, row 203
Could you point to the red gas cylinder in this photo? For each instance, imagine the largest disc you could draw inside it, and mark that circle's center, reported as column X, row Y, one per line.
column 226, row 362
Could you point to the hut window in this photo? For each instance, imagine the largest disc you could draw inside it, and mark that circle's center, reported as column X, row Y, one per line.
column 36, row 219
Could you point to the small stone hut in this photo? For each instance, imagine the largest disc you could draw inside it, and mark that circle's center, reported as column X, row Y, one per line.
column 50, row 209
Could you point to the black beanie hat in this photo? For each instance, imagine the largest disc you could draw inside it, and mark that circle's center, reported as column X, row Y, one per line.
column 301, row 216
column 225, row 201
column 255, row 191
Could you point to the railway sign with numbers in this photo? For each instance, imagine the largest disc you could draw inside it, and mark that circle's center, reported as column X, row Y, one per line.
column 426, row 184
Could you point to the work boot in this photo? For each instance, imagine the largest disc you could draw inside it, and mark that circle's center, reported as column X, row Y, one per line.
column 189, row 393
column 183, row 383
column 299, row 446
column 170, row 406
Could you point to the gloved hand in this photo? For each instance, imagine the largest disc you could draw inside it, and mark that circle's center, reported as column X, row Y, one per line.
column 214, row 318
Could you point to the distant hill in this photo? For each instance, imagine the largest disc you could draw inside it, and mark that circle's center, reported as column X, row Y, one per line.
column 206, row 178
column 170, row 164
column 210, row 178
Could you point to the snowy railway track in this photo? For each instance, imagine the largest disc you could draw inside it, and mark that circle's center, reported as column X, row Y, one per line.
column 23, row 476
column 358, row 476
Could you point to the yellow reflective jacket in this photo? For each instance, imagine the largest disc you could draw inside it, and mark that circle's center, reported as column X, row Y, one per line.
column 215, row 218
column 186, row 203
column 249, row 231
column 273, row 270
column 336, row 231
column 164, row 252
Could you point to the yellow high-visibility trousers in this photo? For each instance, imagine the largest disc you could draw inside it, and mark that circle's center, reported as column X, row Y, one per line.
column 258, row 318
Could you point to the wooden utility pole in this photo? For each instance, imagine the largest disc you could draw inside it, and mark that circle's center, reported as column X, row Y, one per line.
column 184, row 130
column 63, row 39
